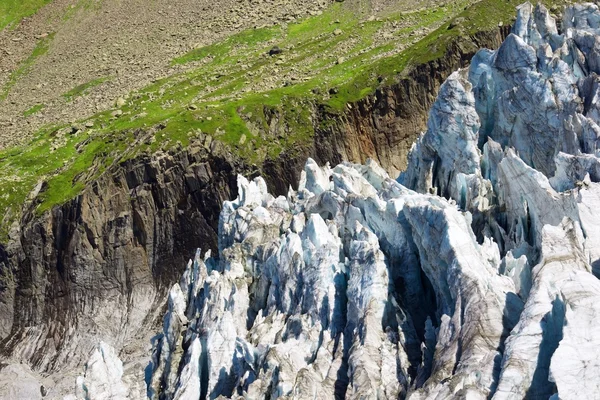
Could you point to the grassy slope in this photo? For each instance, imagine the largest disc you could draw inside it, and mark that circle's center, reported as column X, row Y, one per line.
column 33, row 110
column 13, row 11
column 80, row 90
column 40, row 49
column 225, row 92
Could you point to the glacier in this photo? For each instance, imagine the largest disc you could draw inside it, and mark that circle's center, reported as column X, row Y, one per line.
column 473, row 275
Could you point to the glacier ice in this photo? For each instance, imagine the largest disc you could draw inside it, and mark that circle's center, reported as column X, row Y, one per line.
column 371, row 290
column 103, row 376
column 317, row 309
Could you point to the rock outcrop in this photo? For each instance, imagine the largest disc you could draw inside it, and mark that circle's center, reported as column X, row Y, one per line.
column 101, row 265
column 384, row 126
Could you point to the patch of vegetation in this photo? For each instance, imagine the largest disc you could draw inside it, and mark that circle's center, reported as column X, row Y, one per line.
column 13, row 11
column 257, row 104
column 33, row 110
column 40, row 49
column 221, row 50
column 82, row 89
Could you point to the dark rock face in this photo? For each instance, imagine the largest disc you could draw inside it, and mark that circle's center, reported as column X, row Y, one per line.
column 101, row 264
column 384, row 126
column 95, row 262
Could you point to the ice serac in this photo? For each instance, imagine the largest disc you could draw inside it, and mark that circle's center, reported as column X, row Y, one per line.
column 446, row 160
column 536, row 101
column 103, row 376
column 307, row 298
column 474, row 275
column 562, row 282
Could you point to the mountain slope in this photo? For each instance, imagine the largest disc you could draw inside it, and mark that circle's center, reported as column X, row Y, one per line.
column 474, row 275
column 109, row 217
column 137, row 221
column 98, row 51
column 258, row 105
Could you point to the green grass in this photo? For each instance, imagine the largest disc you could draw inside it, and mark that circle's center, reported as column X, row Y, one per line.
column 33, row 110
column 228, row 85
column 23, row 69
column 24, row 166
column 220, row 50
column 13, row 11
column 82, row 89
